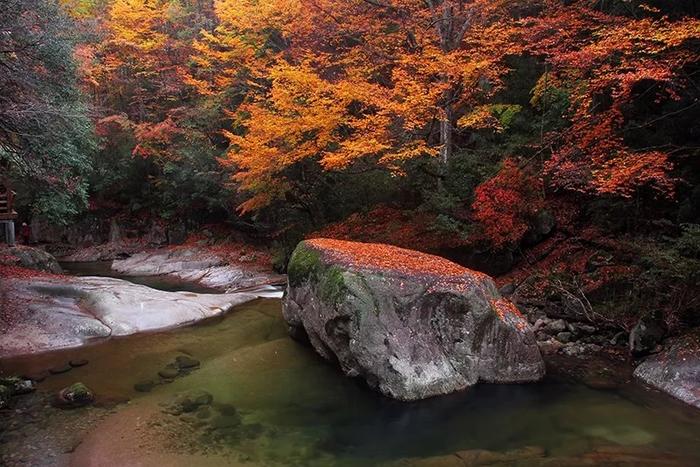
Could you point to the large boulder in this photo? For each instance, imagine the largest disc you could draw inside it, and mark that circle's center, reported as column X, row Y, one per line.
column 28, row 257
column 412, row 325
column 675, row 370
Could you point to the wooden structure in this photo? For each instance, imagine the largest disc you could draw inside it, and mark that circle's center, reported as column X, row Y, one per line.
column 7, row 212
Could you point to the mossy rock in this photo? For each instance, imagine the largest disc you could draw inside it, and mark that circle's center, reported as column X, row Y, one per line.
column 17, row 385
column 307, row 264
column 75, row 395
column 304, row 262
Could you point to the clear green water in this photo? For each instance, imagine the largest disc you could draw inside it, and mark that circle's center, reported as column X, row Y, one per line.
column 311, row 415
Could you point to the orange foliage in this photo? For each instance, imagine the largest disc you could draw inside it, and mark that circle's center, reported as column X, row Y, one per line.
column 335, row 81
column 601, row 59
column 383, row 224
column 503, row 204
column 387, row 257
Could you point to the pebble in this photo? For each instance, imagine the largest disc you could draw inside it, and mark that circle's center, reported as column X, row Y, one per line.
column 78, row 362
column 38, row 377
column 57, row 370
column 168, row 373
column 564, row 337
column 144, row 386
column 185, row 362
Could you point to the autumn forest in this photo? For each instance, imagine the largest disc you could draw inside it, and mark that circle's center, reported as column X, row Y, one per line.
column 552, row 144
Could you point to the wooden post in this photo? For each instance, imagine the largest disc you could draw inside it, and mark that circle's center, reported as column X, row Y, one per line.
column 10, row 232
column 9, row 226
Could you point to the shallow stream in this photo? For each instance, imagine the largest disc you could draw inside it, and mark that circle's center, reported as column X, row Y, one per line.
column 298, row 410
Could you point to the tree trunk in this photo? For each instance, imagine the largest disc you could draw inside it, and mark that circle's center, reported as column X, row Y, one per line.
column 446, row 137
column 446, row 132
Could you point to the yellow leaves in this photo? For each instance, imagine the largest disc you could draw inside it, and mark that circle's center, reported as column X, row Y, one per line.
column 479, row 119
column 332, row 82
column 134, row 23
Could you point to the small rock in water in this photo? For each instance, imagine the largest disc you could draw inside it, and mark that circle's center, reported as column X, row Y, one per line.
column 75, row 395
column 186, row 362
column 5, row 395
column 188, row 402
column 225, row 421
column 57, row 370
column 144, row 386
column 16, row 385
column 78, row 362
column 203, row 412
column 168, row 373
column 38, row 377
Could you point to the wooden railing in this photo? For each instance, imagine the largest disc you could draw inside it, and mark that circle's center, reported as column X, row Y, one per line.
column 7, row 198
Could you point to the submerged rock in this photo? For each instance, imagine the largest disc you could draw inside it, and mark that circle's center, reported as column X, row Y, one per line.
column 675, row 370
column 5, row 395
column 17, row 385
column 144, row 386
column 412, row 325
column 187, row 402
column 57, row 370
column 185, row 362
column 75, row 395
column 168, row 373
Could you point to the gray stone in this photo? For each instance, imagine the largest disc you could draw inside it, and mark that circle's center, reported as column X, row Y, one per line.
column 647, row 333
column 31, row 258
column 168, row 373
column 556, row 326
column 564, row 337
column 196, row 265
column 187, row 402
column 64, row 312
column 144, row 386
column 584, row 328
column 186, row 362
column 17, row 386
column 409, row 333
column 57, row 370
column 5, row 395
column 675, row 370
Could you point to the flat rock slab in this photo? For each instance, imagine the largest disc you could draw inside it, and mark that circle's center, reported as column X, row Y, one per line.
column 675, row 370
column 47, row 313
column 195, row 265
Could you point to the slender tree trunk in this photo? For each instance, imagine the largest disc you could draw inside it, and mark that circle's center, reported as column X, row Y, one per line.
column 446, row 137
column 446, row 132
